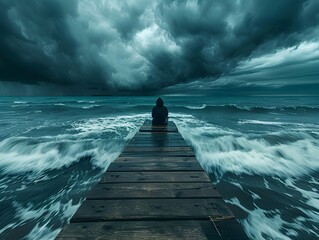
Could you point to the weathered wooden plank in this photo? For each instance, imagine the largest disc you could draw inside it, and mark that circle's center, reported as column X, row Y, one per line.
column 162, row 136
column 143, row 209
column 190, row 176
column 157, row 140
column 154, row 159
column 153, row 190
column 152, row 129
column 149, row 122
column 170, row 124
column 141, row 230
column 158, row 134
column 154, row 166
column 157, row 149
column 168, row 128
column 148, row 145
column 157, row 158
column 152, row 139
column 154, row 153
column 146, row 164
column 157, row 143
column 158, row 130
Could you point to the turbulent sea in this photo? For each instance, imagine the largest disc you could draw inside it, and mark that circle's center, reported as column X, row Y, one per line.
column 261, row 152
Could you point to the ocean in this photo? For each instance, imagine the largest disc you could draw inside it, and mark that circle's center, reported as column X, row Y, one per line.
column 261, row 152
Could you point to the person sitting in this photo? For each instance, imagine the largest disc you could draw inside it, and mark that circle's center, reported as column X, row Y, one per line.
column 159, row 113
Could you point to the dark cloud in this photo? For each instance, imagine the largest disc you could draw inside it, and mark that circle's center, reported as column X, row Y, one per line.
column 106, row 46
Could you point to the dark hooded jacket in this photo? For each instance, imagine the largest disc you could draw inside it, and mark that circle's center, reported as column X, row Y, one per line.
column 159, row 113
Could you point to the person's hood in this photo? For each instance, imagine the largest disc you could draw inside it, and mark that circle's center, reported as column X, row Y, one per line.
column 159, row 102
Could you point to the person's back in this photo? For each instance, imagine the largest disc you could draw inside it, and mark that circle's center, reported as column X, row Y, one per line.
column 159, row 113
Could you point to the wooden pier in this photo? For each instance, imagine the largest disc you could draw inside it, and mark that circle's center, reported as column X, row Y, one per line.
column 156, row 189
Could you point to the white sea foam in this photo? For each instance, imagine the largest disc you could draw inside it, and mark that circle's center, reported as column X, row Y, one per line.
column 203, row 106
column 20, row 102
column 43, row 232
column 20, row 154
column 314, row 181
column 35, row 155
column 312, row 197
column 262, row 224
column 20, row 105
column 311, row 216
column 222, row 150
column 254, row 195
column 90, row 106
column 237, row 185
column 261, row 122
column 266, row 183
column 8, row 226
column 298, row 126
column 114, row 124
column 43, row 214
column 82, row 101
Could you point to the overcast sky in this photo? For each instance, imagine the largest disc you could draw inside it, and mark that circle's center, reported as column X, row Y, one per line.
column 83, row 47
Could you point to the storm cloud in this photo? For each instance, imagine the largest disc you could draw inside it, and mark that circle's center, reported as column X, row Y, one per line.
column 142, row 45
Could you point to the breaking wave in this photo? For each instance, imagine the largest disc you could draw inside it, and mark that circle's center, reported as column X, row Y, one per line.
column 62, row 167
column 254, row 109
column 225, row 150
column 282, row 167
column 196, row 107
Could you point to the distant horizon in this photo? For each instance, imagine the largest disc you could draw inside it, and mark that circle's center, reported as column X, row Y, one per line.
column 164, row 95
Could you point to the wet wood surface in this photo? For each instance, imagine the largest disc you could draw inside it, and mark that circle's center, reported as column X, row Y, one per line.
column 154, row 230
column 156, row 189
column 152, row 190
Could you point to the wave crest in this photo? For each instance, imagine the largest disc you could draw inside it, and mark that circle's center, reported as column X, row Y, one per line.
column 222, row 150
column 197, row 107
column 232, row 108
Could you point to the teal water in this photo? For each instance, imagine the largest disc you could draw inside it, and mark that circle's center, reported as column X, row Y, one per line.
column 261, row 152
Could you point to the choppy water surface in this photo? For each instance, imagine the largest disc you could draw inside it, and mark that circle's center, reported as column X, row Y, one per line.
column 261, row 152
